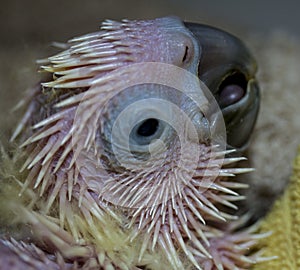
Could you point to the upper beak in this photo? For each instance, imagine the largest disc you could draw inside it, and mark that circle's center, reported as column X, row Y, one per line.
column 223, row 56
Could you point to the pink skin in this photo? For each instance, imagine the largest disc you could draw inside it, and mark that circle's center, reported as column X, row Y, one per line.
column 66, row 175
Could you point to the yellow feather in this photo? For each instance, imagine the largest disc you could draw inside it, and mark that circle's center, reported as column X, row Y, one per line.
column 284, row 222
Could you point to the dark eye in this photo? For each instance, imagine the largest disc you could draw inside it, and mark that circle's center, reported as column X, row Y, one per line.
column 232, row 90
column 148, row 127
column 146, row 131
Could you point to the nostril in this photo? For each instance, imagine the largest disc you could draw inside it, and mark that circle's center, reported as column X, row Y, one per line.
column 182, row 50
column 186, row 52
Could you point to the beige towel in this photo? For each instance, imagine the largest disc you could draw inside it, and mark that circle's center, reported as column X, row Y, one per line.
column 284, row 222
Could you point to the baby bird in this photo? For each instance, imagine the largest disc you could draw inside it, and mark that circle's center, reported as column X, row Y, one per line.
column 127, row 153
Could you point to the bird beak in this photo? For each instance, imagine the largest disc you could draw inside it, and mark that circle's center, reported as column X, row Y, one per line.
column 224, row 59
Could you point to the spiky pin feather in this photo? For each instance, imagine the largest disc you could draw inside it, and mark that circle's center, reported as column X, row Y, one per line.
column 124, row 164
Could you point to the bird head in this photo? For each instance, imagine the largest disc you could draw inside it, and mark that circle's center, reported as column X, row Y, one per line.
column 134, row 124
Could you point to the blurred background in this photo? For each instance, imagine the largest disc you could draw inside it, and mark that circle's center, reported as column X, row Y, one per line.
column 23, row 22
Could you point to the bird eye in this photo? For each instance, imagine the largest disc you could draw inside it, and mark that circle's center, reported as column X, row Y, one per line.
column 232, row 90
column 148, row 127
column 146, row 131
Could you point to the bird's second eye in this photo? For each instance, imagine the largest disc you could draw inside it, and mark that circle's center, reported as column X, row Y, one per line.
column 232, row 90
column 230, row 95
